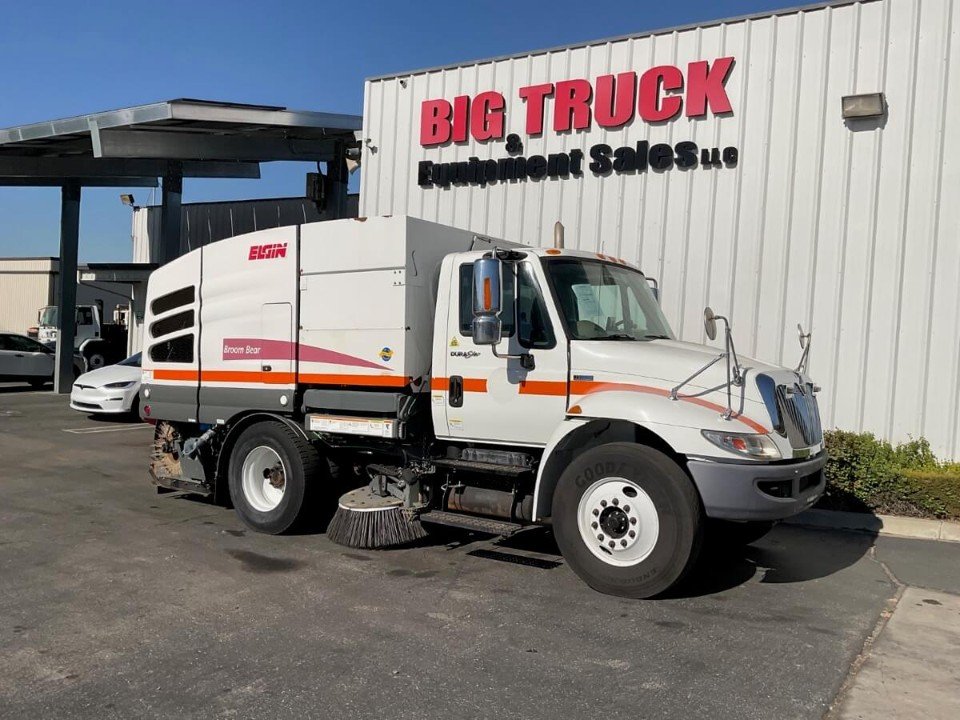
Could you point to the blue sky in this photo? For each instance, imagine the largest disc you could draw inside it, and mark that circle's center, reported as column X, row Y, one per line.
column 64, row 58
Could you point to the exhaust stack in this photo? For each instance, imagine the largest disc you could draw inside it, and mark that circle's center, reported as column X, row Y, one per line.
column 558, row 235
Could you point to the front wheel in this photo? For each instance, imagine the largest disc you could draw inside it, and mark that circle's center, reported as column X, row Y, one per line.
column 628, row 520
column 271, row 474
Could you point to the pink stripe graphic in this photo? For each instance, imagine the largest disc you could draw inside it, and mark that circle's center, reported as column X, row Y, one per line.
column 259, row 349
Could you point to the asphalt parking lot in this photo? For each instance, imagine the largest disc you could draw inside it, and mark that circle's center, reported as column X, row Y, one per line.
column 117, row 602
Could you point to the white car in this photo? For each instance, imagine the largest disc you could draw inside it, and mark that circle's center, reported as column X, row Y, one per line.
column 25, row 360
column 111, row 389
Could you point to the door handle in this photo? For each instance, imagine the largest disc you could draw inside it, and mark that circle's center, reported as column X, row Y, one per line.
column 266, row 368
column 455, row 393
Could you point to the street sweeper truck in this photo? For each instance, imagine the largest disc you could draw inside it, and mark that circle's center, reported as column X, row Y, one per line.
column 458, row 380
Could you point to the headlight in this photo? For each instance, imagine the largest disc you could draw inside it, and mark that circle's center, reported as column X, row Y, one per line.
column 120, row 385
column 748, row 444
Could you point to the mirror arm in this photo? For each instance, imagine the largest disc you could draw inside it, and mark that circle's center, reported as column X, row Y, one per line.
column 805, row 344
column 526, row 359
column 737, row 370
column 718, row 358
column 802, row 365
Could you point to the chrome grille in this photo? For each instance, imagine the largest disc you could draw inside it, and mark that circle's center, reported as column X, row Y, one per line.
column 799, row 414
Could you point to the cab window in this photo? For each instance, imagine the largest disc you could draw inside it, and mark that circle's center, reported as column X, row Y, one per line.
column 533, row 322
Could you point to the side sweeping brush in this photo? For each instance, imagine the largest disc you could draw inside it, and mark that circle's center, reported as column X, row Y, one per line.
column 366, row 520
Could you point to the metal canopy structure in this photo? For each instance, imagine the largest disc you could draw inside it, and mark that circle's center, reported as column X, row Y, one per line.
column 170, row 140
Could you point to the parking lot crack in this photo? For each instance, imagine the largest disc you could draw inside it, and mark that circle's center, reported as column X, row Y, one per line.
column 885, row 614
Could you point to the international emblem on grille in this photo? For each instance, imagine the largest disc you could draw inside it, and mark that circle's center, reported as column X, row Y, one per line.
column 801, row 414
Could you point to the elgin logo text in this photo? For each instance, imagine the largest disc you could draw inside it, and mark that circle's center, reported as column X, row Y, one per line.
column 268, row 252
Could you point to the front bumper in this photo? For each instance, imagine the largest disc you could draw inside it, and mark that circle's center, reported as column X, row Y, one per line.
column 758, row 491
column 102, row 400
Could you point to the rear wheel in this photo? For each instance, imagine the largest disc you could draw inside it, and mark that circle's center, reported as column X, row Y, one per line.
column 627, row 520
column 271, row 474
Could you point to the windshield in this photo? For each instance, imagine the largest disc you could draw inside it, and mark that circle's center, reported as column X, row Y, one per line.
column 602, row 301
column 132, row 361
column 48, row 316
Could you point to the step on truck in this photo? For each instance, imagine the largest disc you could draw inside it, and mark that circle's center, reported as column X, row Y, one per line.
column 460, row 380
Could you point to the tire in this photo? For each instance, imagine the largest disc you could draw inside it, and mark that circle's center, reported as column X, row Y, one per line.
column 95, row 361
column 134, row 411
column 730, row 533
column 655, row 500
column 260, row 448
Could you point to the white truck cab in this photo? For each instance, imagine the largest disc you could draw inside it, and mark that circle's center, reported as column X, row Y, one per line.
column 88, row 324
column 96, row 341
column 475, row 383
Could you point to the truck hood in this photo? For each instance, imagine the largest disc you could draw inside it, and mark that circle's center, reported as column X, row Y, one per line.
column 664, row 364
column 669, row 362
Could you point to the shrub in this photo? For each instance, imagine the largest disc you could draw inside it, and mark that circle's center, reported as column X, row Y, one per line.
column 867, row 474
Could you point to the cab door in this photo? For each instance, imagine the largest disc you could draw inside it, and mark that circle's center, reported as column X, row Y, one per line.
column 495, row 399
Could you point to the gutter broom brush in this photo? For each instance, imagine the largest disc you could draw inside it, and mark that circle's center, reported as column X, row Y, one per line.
column 366, row 520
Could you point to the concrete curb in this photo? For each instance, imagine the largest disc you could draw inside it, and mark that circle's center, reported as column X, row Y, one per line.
column 893, row 525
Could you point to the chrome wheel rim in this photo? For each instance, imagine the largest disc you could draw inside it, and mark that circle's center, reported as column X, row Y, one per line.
column 263, row 477
column 618, row 521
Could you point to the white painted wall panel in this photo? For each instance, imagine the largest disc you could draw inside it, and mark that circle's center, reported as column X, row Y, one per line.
column 26, row 285
column 850, row 229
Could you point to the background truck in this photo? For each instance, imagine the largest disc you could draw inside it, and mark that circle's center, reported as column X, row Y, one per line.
column 96, row 341
column 458, row 380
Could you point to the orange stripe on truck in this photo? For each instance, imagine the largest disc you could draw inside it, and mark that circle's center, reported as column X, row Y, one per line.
column 543, row 387
column 588, row 387
column 579, row 387
column 364, row 380
column 442, row 384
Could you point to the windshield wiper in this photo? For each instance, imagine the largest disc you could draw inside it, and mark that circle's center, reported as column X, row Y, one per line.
column 616, row 336
column 655, row 337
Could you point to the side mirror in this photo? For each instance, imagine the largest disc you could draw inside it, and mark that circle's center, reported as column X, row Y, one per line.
column 654, row 288
column 487, row 326
column 710, row 323
column 487, row 330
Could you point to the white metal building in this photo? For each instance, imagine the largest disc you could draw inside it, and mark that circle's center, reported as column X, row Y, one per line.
column 783, row 212
column 28, row 284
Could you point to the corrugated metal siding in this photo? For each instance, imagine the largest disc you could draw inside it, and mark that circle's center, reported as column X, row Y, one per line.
column 850, row 230
column 203, row 223
column 26, row 285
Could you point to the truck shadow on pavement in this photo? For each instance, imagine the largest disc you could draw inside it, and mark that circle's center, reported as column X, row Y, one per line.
column 789, row 554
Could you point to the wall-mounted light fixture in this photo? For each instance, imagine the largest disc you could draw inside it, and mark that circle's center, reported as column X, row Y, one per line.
column 858, row 107
column 128, row 200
